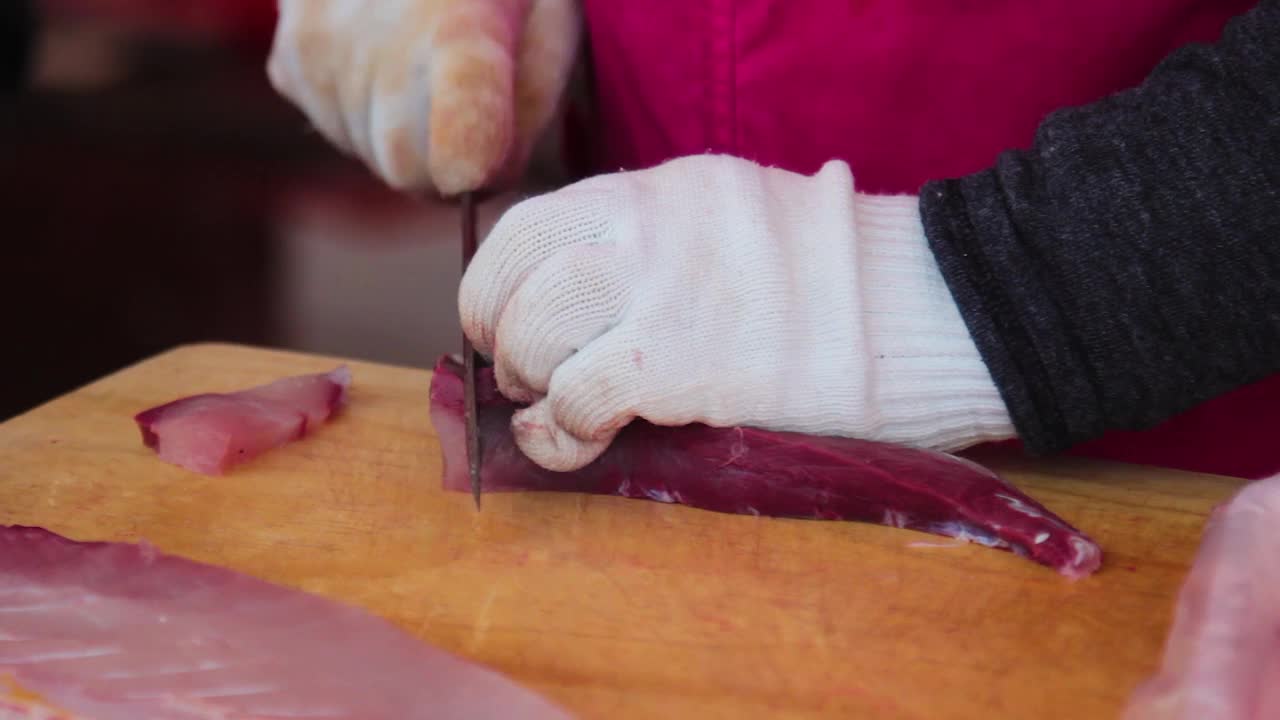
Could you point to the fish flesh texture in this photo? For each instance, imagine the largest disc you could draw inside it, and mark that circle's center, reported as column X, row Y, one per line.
column 118, row 631
column 29, row 709
column 1221, row 658
column 211, row 432
column 752, row 471
column 16, row 710
column 759, row 472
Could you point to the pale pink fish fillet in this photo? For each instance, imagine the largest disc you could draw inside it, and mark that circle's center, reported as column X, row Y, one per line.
column 115, row 631
column 211, row 432
column 12, row 708
column 1221, row 658
column 759, row 472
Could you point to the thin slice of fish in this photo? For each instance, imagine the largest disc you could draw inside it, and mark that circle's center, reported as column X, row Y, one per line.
column 211, row 432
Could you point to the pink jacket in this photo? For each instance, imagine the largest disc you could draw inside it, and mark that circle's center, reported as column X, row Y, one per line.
column 905, row 91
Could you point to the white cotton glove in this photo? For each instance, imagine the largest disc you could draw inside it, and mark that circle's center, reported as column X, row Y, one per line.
column 442, row 95
column 711, row 289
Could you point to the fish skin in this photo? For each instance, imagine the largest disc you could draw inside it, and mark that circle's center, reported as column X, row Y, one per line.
column 759, row 472
column 120, row 631
column 211, row 432
column 1221, row 657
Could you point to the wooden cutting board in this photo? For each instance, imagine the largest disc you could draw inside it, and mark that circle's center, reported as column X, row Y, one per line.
column 622, row 608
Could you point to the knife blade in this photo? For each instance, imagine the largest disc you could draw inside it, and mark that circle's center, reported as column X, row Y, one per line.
column 469, row 354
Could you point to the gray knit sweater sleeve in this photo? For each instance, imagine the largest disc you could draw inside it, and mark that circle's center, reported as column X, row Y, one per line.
column 1127, row 266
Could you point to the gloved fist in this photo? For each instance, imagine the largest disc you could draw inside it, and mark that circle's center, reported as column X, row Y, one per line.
column 443, row 95
column 711, row 289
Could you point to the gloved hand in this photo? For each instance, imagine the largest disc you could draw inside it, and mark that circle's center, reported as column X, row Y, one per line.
column 430, row 94
column 711, row 289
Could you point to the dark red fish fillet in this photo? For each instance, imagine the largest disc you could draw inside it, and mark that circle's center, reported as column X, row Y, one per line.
column 211, row 432
column 759, row 472
column 115, row 631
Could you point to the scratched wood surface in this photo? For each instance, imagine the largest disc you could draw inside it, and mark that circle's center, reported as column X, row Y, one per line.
column 624, row 608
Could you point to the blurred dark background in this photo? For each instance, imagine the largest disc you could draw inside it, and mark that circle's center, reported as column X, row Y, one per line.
column 155, row 190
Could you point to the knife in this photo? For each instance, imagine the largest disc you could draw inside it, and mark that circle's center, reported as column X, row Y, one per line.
column 469, row 354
